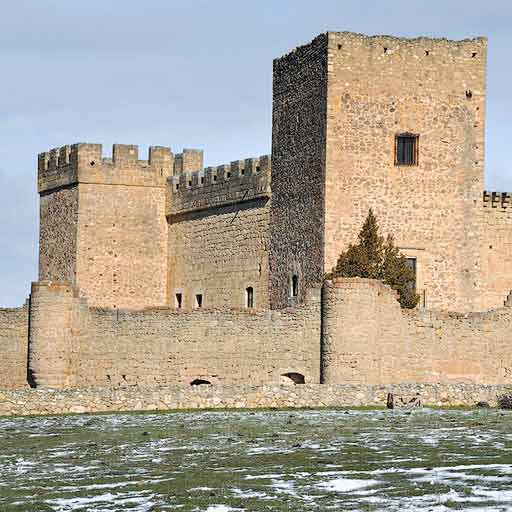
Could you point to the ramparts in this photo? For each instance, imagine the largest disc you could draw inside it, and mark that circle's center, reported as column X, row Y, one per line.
column 189, row 160
column 13, row 346
column 239, row 181
column 368, row 339
column 496, row 221
column 84, row 163
column 500, row 200
column 356, row 335
column 72, row 345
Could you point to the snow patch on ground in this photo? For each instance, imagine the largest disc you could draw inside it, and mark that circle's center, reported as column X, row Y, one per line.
column 347, row 484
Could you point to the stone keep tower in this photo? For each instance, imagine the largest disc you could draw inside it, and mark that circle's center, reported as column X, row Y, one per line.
column 102, row 223
column 396, row 125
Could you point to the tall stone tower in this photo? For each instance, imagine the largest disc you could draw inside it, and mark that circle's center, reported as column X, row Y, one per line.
column 102, row 223
column 396, row 125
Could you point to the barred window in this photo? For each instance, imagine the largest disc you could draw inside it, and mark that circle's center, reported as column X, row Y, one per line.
column 406, row 149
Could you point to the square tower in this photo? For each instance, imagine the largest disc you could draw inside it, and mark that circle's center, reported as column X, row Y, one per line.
column 102, row 223
column 392, row 124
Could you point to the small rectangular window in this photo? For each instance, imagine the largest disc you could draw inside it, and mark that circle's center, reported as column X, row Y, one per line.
column 179, row 300
column 411, row 263
column 294, row 285
column 406, row 149
column 249, row 297
column 199, row 300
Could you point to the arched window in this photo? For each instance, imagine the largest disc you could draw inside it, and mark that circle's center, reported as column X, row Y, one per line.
column 294, row 285
column 200, row 382
column 296, row 378
column 249, row 297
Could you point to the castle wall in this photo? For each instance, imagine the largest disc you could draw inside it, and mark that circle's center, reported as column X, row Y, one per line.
column 58, row 228
column 382, row 86
column 54, row 333
column 122, row 248
column 189, row 160
column 368, row 339
column 219, row 234
column 13, row 347
column 31, row 402
column 298, row 162
column 496, row 246
column 166, row 346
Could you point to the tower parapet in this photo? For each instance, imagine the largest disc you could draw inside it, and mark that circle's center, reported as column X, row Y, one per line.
column 85, row 163
column 188, row 161
column 241, row 180
column 502, row 200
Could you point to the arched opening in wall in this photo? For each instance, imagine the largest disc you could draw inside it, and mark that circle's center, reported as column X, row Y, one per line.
column 249, row 297
column 200, row 382
column 293, row 377
column 294, row 285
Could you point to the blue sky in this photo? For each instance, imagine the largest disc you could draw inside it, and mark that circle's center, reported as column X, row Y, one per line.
column 188, row 73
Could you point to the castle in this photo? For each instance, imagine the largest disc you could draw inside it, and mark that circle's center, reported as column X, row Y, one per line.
column 162, row 271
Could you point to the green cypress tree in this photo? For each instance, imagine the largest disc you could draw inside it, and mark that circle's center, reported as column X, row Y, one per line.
column 396, row 273
column 375, row 259
column 365, row 258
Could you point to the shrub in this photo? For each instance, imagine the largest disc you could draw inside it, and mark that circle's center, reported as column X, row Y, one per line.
column 375, row 258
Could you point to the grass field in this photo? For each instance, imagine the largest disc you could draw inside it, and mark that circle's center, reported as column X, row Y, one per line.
column 258, row 461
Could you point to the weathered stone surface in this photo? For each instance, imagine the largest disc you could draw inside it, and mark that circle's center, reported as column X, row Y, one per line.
column 368, row 339
column 13, row 347
column 122, row 238
column 135, row 398
column 382, row 86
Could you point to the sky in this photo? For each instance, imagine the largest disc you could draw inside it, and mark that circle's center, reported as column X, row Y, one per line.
column 187, row 73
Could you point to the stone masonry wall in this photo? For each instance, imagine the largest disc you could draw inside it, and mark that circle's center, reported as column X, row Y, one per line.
column 169, row 346
column 218, row 235
column 55, row 327
column 112, row 231
column 368, row 339
column 219, row 254
column 298, row 162
column 58, row 229
column 382, row 86
column 185, row 397
column 496, row 248
column 122, row 248
column 13, row 347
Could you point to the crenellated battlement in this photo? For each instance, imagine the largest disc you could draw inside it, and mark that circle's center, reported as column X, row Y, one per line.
column 501, row 200
column 241, row 180
column 85, row 163
column 188, row 160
